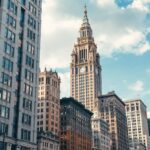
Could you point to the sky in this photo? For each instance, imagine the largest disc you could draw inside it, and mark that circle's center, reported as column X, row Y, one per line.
column 121, row 31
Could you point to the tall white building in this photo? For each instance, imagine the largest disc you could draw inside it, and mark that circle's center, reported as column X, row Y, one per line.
column 20, row 25
column 137, row 124
column 85, row 68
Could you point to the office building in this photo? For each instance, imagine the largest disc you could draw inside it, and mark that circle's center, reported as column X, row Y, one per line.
column 76, row 133
column 85, row 68
column 48, row 110
column 112, row 109
column 20, row 25
column 100, row 134
column 137, row 124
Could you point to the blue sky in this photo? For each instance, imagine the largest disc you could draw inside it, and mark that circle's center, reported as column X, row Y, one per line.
column 122, row 33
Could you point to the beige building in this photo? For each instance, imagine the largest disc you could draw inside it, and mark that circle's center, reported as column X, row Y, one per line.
column 137, row 124
column 100, row 134
column 48, row 110
column 112, row 109
column 85, row 69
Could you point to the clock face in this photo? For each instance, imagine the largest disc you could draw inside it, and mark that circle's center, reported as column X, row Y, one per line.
column 82, row 70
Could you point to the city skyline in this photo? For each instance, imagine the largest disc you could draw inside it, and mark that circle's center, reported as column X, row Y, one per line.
column 126, row 23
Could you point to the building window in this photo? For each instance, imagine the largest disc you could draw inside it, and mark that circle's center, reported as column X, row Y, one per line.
column 26, row 119
column 30, row 48
column 4, row 111
column 28, row 89
column 6, row 79
column 32, row 9
column 12, row 7
column 29, row 75
column 27, row 104
column 5, row 95
column 9, row 49
column 7, row 64
column 11, row 21
column 29, row 61
column 47, row 80
column 3, row 128
column 25, row 135
column 31, row 35
column 31, row 22
column 10, row 35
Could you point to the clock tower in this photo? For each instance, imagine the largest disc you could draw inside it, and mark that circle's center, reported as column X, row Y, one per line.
column 85, row 68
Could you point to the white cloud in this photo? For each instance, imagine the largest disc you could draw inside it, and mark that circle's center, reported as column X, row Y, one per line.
column 138, row 86
column 115, row 30
column 140, row 4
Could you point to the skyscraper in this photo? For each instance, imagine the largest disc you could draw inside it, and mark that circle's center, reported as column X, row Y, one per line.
column 20, row 23
column 85, row 68
column 137, row 124
column 112, row 109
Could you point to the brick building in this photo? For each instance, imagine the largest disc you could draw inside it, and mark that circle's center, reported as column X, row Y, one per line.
column 76, row 133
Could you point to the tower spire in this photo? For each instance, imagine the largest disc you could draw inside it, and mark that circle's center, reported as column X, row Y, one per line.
column 85, row 19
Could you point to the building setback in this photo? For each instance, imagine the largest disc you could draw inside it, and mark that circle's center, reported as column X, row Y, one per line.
column 112, row 109
column 137, row 124
column 48, row 110
column 20, row 25
column 76, row 133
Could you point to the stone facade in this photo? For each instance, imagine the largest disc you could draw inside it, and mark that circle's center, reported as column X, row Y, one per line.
column 48, row 110
column 76, row 133
column 137, row 124
column 20, row 25
column 85, row 68
column 112, row 109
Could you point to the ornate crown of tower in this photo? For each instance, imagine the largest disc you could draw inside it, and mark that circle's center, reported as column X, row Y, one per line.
column 85, row 67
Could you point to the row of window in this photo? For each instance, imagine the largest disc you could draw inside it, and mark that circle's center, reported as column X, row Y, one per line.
column 29, row 61
column 29, row 75
column 11, row 21
column 30, row 48
column 7, row 64
column 6, row 79
column 28, row 89
column 4, row 111
column 12, row 7
column 5, row 95
column 27, row 104
column 31, row 35
column 10, row 35
column 32, row 9
column 25, row 135
column 31, row 22
column 9, row 50
column 26, row 119
column 3, row 128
